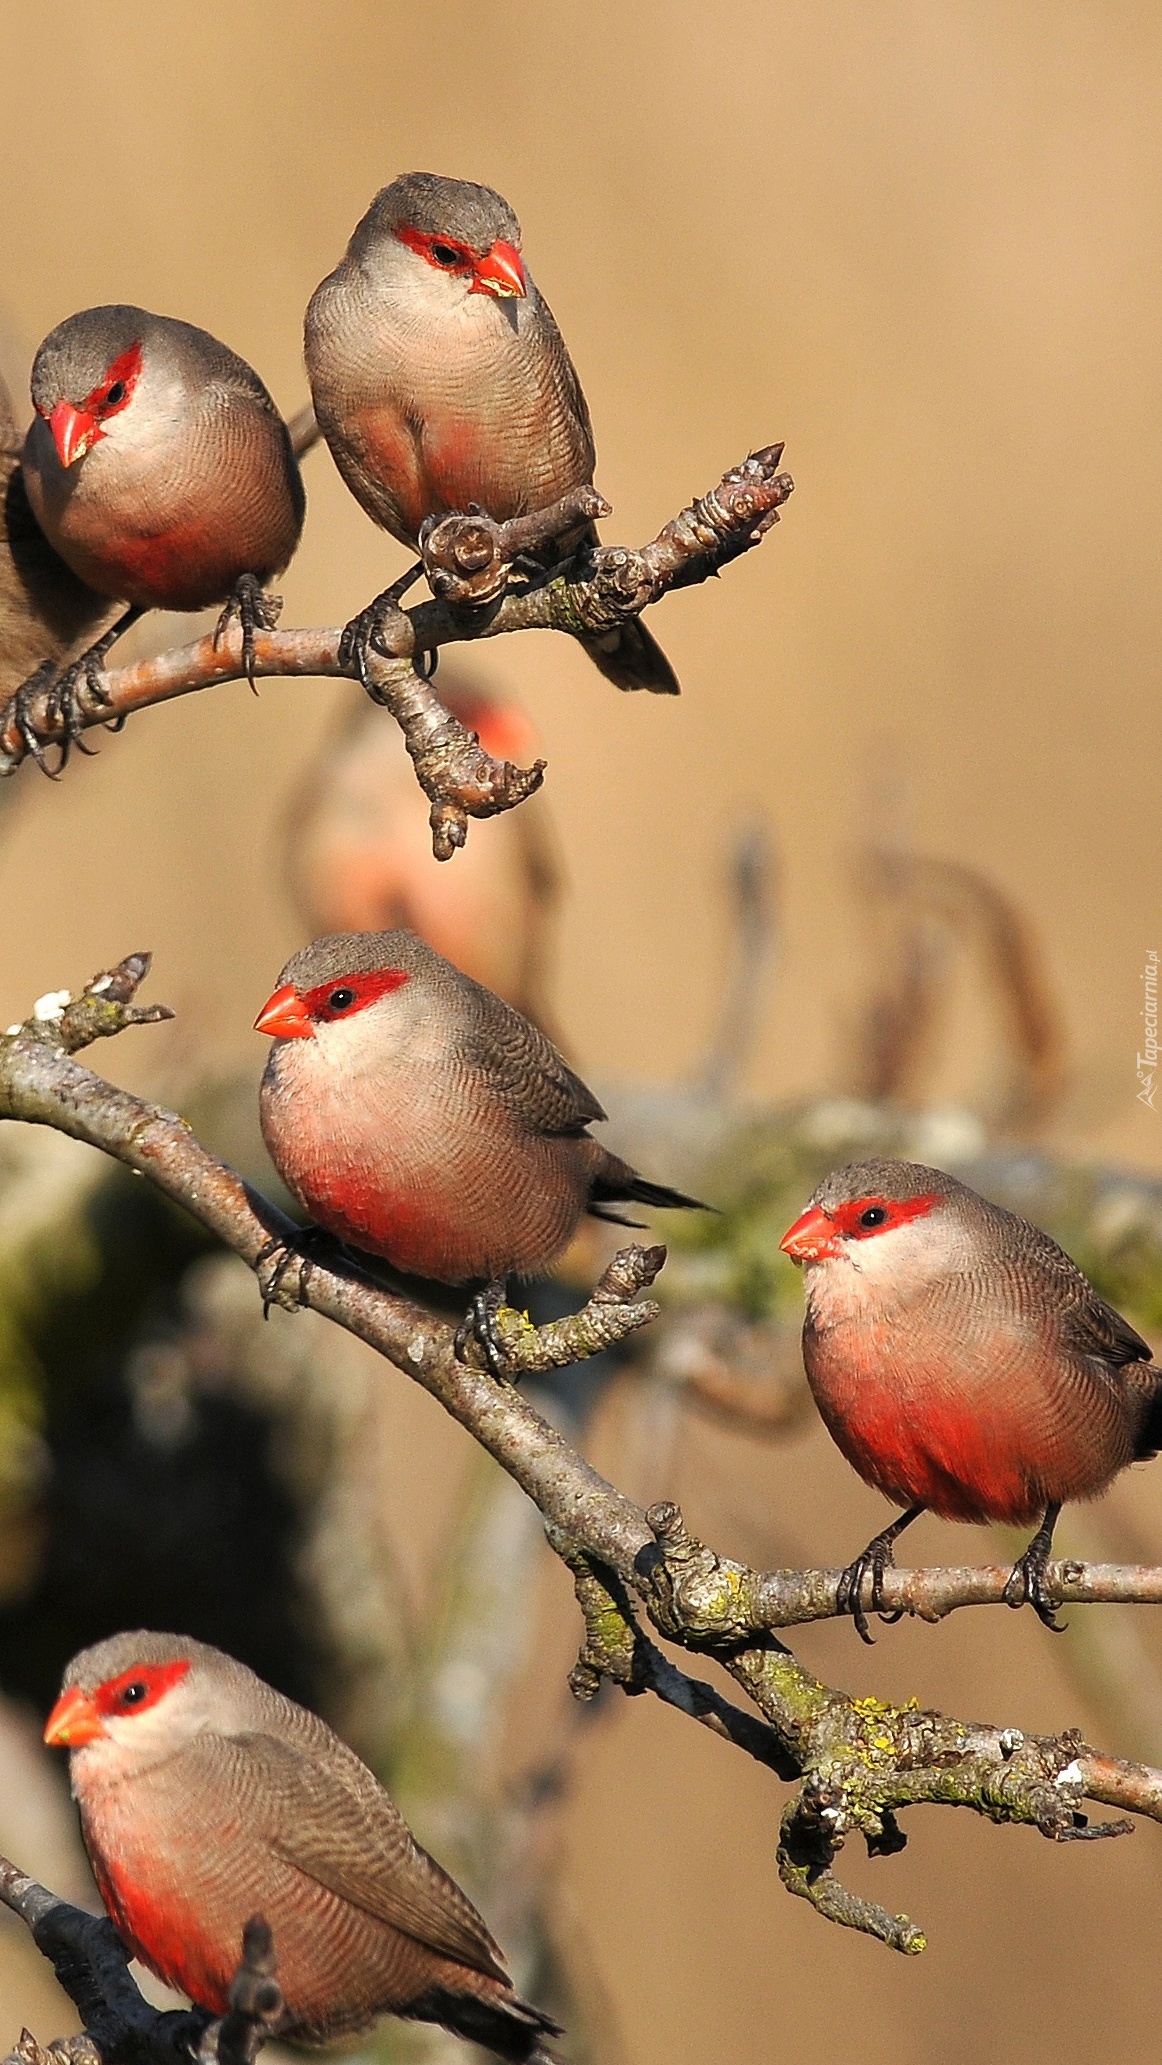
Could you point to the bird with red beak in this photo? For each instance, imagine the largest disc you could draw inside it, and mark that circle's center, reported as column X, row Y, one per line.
column 441, row 381
column 160, row 470
column 206, row 1797
column 417, row 1117
column 358, row 849
column 963, row 1364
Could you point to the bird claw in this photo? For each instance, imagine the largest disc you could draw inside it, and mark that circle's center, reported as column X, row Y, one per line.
column 63, row 712
column 479, row 1325
column 253, row 610
column 310, row 1244
column 876, row 1558
column 1026, row 1582
column 1026, row 1587
column 21, row 719
column 367, row 632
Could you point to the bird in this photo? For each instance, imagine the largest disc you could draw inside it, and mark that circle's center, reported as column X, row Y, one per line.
column 441, row 383
column 417, row 1117
column 46, row 613
column 206, row 1797
column 160, row 471
column 358, row 850
column 963, row 1364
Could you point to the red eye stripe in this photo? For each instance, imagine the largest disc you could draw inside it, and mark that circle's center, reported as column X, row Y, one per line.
column 111, row 1698
column 423, row 242
column 124, row 373
column 897, row 1212
column 348, row 994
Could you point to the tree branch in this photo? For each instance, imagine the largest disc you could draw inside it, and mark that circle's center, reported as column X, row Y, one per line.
column 860, row 1760
column 474, row 571
column 92, row 1965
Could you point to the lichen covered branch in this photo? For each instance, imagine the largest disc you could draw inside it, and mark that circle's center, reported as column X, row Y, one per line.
column 858, row 1761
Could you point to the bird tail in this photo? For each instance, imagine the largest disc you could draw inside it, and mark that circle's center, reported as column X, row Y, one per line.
column 616, row 1183
column 631, row 657
column 502, row 2023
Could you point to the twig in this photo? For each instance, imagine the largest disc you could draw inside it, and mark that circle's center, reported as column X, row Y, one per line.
column 592, row 592
column 861, row 1760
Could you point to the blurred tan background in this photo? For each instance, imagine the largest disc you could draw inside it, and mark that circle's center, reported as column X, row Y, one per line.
column 923, row 244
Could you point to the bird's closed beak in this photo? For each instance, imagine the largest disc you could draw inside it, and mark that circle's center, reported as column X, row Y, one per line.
column 285, row 1016
column 73, row 431
column 74, row 1720
column 501, row 272
column 811, row 1238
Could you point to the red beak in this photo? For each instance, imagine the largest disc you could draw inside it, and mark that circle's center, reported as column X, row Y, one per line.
column 73, row 431
column 284, row 1015
column 811, row 1238
column 73, row 1720
column 501, row 272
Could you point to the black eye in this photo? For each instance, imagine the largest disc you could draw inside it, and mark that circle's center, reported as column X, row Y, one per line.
column 116, row 395
column 447, row 254
column 874, row 1216
column 341, row 999
column 134, row 1694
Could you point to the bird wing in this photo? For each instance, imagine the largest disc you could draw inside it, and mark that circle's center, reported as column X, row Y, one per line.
column 1045, row 1281
column 564, row 378
column 331, row 1820
column 524, row 1068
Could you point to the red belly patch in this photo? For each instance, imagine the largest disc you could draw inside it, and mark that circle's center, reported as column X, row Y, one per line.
column 170, row 1937
column 422, row 1236
column 961, row 1450
column 181, row 568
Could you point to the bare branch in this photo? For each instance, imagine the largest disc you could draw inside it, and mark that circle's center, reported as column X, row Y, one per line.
column 593, row 592
column 860, row 1760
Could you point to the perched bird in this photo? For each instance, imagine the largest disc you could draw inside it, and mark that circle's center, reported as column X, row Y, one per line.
column 963, row 1363
column 206, row 1797
column 160, row 471
column 416, row 1116
column 46, row 613
column 440, row 380
column 358, row 850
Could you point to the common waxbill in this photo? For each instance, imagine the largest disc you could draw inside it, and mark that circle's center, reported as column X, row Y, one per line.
column 963, row 1363
column 417, row 1117
column 159, row 469
column 359, row 850
column 440, row 380
column 46, row 613
column 206, row 1797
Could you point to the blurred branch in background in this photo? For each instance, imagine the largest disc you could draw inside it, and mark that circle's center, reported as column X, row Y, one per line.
column 928, row 913
column 753, row 917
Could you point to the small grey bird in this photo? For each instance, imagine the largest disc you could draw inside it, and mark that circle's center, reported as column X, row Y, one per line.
column 206, row 1797
column 962, row 1362
column 418, row 1117
column 440, row 379
column 159, row 469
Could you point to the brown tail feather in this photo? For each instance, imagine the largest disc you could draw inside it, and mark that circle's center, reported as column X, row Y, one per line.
column 631, row 657
column 505, row 2024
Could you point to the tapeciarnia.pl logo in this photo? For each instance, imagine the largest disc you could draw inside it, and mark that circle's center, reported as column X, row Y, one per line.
column 1148, row 1060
